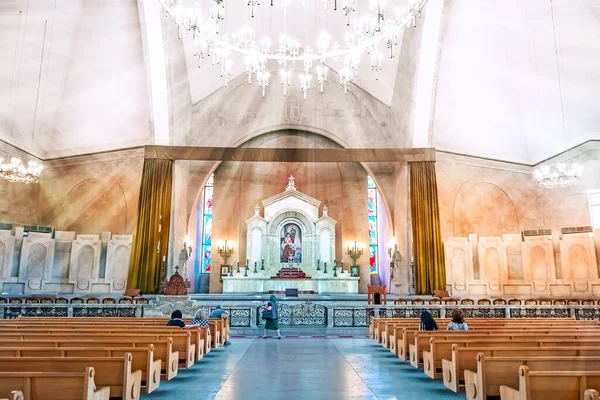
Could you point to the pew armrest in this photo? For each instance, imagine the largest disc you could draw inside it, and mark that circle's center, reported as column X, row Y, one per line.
column 16, row 395
column 590, row 394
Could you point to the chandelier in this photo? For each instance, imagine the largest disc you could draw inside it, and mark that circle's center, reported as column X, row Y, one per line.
column 560, row 175
column 378, row 28
column 15, row 171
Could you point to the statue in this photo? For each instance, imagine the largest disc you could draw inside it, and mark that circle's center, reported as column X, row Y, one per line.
column 396, row 260
column 184, row 256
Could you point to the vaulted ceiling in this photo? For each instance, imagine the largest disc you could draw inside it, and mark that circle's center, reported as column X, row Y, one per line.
column 77, row 76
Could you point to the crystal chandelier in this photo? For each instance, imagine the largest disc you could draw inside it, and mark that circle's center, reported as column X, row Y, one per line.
column 560, row 175
column 380, row 26
column 15, row 171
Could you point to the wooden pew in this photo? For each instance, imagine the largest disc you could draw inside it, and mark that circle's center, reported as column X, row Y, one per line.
column 554, row 385
column 114, row 373
column 440, row 348
column 53, row 385
column 199, row 333
column 181, row 340
column 163, row 349
column 465, row 358
column 143, row 358
column 431, row 356
column 493, row 372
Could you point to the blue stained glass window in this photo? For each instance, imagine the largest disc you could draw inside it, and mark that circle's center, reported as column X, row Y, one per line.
column 372, row 212
column 207, row 224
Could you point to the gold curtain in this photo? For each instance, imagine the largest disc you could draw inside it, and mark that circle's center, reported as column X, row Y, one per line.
column 151, row 237
column 428, row 251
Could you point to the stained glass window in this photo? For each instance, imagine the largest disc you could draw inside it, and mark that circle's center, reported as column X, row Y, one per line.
column 207, row 210
column 372, row 209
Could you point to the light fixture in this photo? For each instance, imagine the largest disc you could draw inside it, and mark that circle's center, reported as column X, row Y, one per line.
column 379, row 25
column 559, row 175
column 17, row 172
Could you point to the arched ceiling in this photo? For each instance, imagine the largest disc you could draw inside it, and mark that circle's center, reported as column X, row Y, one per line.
column 496, row 91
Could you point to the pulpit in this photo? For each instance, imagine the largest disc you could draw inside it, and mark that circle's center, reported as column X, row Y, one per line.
column 376, row 294
column 177, row 285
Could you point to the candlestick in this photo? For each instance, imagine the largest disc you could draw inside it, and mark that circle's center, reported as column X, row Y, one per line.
column 318, row 265
column 238, row 271
column 325, row 268
column 262, row 267
column 255, row 270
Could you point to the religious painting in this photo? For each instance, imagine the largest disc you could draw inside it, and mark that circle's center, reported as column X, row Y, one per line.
column 291, row 244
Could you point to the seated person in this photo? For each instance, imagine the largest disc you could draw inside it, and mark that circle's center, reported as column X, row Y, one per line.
column 218, row 312
column 176, row 319
column 427, row 322
column 458, row 321
column 200, row 318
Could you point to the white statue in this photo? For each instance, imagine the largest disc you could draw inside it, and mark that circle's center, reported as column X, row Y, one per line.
column 184, row 256
column 396, row 260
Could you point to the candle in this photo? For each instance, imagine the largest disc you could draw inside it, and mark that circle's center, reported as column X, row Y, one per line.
column 164, row 257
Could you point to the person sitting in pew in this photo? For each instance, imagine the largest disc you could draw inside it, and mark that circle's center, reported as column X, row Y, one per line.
column 458, row 321
column 200, row 318
column 427, row 322
column 218, row 312
column 176, row 319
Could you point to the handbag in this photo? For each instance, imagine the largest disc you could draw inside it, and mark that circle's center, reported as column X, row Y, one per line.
column 267, row 314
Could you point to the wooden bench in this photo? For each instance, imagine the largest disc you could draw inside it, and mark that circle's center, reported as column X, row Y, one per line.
column 439, row 346
column 492, row 372
column 181, row 340
column 115, row 373
column 53, row 385
column 200, row 334
column 554, row 385
column 465, row 358
column 163, row 349
column 143, row 358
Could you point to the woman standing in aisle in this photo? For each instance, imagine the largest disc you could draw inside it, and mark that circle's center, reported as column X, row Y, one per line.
column 271, row 317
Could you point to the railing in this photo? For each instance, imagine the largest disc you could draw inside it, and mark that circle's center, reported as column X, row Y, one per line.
column 361, row 316
column 72, row 310
column 307, row 314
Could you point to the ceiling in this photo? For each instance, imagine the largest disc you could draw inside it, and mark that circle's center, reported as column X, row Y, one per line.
column 505, row 73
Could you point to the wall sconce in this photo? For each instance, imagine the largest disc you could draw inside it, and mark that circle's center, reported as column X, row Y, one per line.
column 355, row 252
column 225, row 251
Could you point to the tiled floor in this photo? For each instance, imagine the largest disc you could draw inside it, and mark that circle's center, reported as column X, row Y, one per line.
column 302, row 369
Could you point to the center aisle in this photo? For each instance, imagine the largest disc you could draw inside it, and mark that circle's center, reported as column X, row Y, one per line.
column 302, row 369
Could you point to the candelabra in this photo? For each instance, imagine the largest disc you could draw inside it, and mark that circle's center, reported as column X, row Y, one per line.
column 225, row 251
column 355, row 252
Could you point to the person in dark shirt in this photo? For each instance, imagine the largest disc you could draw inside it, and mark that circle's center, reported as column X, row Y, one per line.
column 427, row 322
column 176, row 319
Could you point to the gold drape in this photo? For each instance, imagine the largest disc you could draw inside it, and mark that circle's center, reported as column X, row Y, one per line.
column 430, row 271
column 151, row 237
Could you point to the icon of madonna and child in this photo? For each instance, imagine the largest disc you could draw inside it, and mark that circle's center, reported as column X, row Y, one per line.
column 291, row 244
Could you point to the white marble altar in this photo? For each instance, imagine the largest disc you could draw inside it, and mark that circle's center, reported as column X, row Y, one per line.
column 322, row 285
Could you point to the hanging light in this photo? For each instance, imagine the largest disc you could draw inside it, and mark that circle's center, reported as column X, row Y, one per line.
column 381, row 24
column 559, row 175
column 15, row 171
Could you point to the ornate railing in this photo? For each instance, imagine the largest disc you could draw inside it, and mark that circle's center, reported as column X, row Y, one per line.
column 239, row 317
column 308, row 314
column 361, row 316
column 72, row 310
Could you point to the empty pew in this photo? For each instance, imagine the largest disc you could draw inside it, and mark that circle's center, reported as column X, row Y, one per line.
column 555, row 385
column 431, row 352
column 465, row 358
column 143, row 358
column 53, row 385
column 493, row 372
column 114, row 373
column 181, row 340
column 163, row 349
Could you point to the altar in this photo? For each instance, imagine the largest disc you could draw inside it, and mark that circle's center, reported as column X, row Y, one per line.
column 291, row 246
